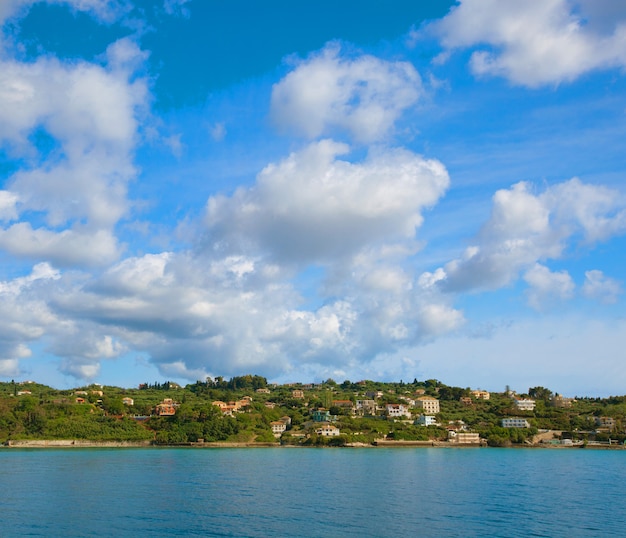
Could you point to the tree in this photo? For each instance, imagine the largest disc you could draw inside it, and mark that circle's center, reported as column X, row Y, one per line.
column 540, row 393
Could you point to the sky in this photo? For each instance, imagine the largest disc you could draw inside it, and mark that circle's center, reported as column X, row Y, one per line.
column 314, row 190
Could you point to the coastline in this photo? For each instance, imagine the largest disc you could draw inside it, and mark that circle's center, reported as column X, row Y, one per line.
column 380, row 443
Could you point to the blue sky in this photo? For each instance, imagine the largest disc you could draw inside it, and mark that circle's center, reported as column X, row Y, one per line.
column 312, row 191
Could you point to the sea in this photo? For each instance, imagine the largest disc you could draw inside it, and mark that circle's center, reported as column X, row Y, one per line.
column 312, row 492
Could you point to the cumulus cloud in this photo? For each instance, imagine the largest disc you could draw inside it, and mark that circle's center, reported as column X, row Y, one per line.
column 80, row 186
column 25, row 314
column 363, row 96
column 526, row 228
column 313, row 206
column 601, row 288
column 547, row 286
column 8, row 209
column 537, row 42
column 193, row 316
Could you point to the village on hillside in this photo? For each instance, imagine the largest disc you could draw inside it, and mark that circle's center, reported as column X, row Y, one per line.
column 247, row 410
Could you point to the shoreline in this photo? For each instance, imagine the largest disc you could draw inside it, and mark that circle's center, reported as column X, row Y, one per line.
column 83, row 443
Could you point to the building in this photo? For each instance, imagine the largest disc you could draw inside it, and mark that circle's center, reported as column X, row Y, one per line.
column 328, row 430
column 397, row 411
column 366, row 407
column 561, row 402
column 347, row 406
column 166, row 408
column 426, row 420
column 263, row 391
column 525, row 404
column 297, row 393
column 463, row 438
column 374, row 394
column 278, row 427
column 429, row 404
column 607, row 423
column 481, row 394
column 321, row 415
column 128, row 401
column 515, row 423
column 466, row 400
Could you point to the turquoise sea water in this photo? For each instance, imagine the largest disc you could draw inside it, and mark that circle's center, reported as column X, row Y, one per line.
column 312, row 492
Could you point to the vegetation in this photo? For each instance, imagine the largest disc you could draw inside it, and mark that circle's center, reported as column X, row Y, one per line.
column 242, row 410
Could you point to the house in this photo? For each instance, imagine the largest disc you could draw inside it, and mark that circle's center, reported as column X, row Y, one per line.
column 97, row 393
column 466, row 400
column 561, row 402
column 463, row 438
column 346, row 405
column 328, row 430
column 229, row 408
column 80, row 393
column 297, row 393
column 166, row 408
column 374, row 394
column 128, row 401
column 515, row 423
column 269, row 405
column 397, row 411
column 24, row 393
column 278, row 427
column 429, row 404
column 321, row 415
column 263, row 391
column 80, row 400
column 456, row 425
column 366, row 407
column 426, row 420
column 524, row 404
column 607, row 423
column 481, row 394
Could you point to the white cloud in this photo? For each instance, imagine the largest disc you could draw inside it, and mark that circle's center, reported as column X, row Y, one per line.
column 8, row 202
column 80, row 370
column 601, row 288
column 526, row 228
column 9, row 367
column 192, row 315
column 314, row 207
column 547, row 286
column 537, row 42
column 91, row 114
column 64, row 249
column 363, row 96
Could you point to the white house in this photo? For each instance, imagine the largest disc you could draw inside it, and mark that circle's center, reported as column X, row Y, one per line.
column 525, row 404
column 426, row 420
column 278, row 428
column 515, row 423
column 397, row 410
column 328, row 430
